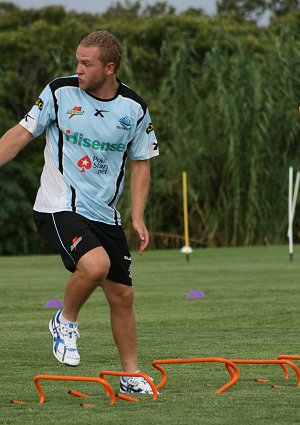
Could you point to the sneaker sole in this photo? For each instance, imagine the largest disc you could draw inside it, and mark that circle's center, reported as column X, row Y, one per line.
column 135, row 392
column 53, row 350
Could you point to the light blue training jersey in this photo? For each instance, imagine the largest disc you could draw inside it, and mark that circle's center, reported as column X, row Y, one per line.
column 87, row 143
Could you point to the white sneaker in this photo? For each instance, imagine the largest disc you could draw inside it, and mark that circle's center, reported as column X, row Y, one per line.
column 135, row 384
column 64, row 341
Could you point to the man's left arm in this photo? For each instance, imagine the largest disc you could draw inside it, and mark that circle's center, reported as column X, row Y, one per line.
column 139, row 188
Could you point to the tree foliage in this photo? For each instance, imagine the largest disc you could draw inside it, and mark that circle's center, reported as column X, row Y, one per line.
column 223, row 95
column 256, row 8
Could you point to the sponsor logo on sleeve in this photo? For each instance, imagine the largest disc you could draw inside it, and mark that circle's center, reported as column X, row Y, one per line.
column 39, row 103
column 149, row 128
column 28, row 117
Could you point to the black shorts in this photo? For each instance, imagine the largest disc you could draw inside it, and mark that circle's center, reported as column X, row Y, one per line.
column 73, row 235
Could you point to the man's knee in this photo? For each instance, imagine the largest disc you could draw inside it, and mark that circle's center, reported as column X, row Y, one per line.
column 95, row 264
column 127, row 296
column 119, row 295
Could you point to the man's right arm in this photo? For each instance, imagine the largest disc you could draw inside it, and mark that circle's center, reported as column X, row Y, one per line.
column 12, row 142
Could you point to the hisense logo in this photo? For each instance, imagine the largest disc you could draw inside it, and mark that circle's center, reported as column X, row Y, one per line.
column 81, row 140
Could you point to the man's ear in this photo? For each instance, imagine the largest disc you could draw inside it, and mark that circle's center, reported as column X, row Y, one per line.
column 110, row 68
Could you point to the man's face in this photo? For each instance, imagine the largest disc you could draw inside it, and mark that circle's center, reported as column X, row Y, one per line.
column 92, row 74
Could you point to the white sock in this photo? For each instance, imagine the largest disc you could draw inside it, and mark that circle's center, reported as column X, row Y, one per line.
column 65, row 321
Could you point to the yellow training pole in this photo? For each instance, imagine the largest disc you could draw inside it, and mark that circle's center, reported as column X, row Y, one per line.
column 185, row 216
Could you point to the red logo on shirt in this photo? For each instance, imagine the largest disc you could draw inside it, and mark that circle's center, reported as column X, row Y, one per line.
column 84, row 163
column 76, row 110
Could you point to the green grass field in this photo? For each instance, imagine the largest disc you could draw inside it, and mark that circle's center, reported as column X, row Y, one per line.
column 251, row 310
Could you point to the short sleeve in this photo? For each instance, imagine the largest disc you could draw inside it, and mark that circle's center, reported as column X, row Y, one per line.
column 144, row 144
column 41, row 115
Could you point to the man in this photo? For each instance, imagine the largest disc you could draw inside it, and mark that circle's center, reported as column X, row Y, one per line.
column 93, row 122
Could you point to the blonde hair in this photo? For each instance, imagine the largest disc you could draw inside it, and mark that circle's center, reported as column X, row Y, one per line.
column 110, row 48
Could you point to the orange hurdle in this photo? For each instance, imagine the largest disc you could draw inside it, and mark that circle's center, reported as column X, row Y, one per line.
column 279, row 361
column 231, row 367
column 143, row 375
column 108, row 388
column 290, row 357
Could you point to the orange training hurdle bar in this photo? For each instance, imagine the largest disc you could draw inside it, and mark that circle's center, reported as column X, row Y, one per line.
column 231, row 367
column 281, row 362
column 143, row 375
column 290, row 357
column 37, row 378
